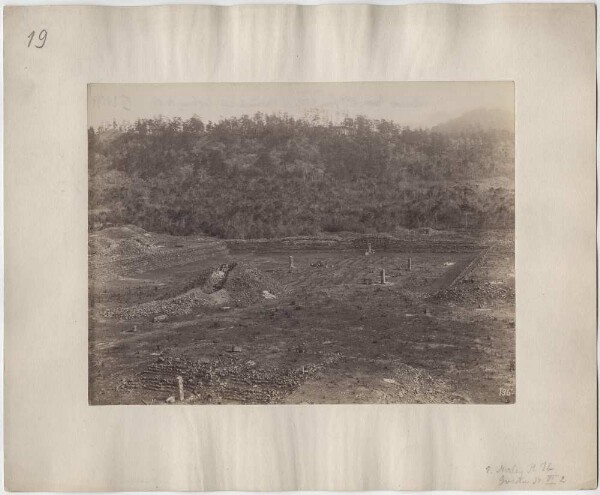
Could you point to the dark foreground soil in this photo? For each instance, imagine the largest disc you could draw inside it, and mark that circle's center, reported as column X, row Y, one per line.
column 239, row 326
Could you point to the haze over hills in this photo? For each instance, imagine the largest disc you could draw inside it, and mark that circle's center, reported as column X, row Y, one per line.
column 485, row 119
column 412, row 104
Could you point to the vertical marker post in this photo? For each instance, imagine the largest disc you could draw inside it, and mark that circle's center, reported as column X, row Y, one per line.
column 383, row 276
column 180, row 383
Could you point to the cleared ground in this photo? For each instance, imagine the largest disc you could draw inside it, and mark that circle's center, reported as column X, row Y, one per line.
column 325, row 331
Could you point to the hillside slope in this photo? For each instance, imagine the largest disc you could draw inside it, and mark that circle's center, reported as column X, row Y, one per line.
column 275, row 176
column 482, row 119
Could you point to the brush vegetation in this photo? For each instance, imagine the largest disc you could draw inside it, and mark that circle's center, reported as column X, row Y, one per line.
column 275, row 176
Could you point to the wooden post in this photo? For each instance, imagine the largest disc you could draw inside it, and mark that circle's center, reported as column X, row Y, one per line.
column 292, row 263
column 383, row 276
column 180, row 383
column 409, row 264
column 370, row 250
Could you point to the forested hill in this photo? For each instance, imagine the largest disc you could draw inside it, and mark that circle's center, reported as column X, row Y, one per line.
column 275, row 176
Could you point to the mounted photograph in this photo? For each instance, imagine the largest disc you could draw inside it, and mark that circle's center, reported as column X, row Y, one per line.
column 301, row 243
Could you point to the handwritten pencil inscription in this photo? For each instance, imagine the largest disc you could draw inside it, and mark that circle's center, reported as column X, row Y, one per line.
column 543, row 473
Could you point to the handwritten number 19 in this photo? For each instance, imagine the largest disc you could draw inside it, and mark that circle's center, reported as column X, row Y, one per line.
column 41, row 37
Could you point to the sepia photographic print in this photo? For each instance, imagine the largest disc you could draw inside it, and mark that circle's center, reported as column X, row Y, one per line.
column 310, row 243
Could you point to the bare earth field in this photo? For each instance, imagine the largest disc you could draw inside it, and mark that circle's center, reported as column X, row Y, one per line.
column 239, row 326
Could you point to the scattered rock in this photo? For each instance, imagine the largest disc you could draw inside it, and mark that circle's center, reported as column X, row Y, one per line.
column 159, row 318
column 236, row 348
column 471, row 294
column 267, row 295
column 217, row 278
column 389, row 380
column 170, row 400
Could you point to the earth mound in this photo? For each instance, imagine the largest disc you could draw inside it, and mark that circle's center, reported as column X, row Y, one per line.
column 238, row 284
column 246, row 284
column 184, row 304
column 475, row 294
column 128, row 240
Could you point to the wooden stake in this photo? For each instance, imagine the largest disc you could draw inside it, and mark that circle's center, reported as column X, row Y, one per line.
column 383, row 276
column 180, row 383
column 409, row 264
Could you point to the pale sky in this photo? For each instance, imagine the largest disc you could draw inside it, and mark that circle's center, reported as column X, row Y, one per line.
column 416, row 104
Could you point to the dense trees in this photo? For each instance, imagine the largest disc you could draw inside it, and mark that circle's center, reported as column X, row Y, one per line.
column 271, row 176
